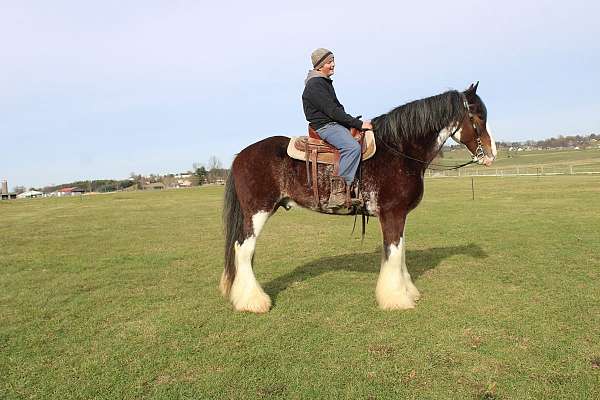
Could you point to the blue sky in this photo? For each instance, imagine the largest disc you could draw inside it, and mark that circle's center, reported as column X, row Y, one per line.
column 100, row 89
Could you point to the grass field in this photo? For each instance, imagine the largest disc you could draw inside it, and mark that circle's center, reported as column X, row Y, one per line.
column 115, row 297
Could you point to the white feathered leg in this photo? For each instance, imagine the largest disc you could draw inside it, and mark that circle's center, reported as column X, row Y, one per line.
column 392, row 291
column 246, row 293
column 413, row 292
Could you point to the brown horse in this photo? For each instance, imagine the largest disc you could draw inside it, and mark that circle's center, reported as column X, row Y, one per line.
column 263, row 178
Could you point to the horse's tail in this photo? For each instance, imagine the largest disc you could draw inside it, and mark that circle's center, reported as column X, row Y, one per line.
column 233, row 223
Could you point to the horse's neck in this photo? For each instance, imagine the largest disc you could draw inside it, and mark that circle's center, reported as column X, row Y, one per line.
column 428, row 152
column 443, row 136
column 421, row 152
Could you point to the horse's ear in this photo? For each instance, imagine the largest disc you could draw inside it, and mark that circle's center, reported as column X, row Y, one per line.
column 472, row 88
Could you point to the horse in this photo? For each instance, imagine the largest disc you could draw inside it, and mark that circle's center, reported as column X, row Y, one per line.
column 263, row 178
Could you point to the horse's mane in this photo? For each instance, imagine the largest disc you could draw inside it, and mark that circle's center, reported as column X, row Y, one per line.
column 419, row 120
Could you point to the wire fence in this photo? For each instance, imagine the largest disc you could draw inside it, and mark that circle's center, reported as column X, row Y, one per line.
column 530, row 170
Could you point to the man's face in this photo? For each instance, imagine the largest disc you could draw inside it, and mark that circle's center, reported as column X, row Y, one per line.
column 328, row 67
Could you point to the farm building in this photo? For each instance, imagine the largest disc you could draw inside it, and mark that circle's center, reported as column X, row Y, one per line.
column 4, row 194
column 69, row 191
column 30, row 194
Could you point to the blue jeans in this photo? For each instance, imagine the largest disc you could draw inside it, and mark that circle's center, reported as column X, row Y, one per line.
column 350, row 151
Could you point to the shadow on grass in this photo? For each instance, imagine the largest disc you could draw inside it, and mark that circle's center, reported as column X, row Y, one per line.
column 417, row 261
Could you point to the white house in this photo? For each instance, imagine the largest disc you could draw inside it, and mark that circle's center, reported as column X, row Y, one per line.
column 30, row 194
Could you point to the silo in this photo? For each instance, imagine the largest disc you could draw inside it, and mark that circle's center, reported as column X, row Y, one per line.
column 4, row 187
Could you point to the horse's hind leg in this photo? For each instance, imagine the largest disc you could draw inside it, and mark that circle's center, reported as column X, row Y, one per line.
column 246, row 293
column 252, row 194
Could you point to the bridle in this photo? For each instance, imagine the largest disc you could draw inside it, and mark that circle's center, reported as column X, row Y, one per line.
column 479, row 151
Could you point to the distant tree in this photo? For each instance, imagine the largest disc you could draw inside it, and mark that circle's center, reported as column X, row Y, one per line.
column 169, row 180
column 136, row 180
column 202, row 174
column 214, row 163
column 125, row 183
column 213, row 168
column 106, row 187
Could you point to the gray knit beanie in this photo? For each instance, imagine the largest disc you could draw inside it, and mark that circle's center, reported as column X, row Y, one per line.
column 320, row 56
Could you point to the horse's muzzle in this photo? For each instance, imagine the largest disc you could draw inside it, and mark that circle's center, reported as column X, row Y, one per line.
column 487, row 160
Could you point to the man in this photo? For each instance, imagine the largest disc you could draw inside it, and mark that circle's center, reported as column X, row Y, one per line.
column 327, row 116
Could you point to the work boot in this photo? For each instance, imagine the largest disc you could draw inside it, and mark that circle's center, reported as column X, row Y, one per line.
column 337, row 197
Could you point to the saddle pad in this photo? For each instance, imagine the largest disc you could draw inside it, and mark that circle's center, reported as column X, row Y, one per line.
column 329, row 158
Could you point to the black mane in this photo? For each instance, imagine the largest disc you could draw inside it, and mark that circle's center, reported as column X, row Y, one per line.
column 420, row 120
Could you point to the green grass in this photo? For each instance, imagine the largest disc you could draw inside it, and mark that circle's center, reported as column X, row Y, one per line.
column 115, row 296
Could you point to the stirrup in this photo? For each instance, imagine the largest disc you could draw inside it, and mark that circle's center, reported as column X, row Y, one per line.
column 352, row 201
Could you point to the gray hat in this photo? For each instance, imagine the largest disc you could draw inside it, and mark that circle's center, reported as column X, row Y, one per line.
column 320, row 56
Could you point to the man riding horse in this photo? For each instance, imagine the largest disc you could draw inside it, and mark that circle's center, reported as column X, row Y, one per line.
column 326, row 115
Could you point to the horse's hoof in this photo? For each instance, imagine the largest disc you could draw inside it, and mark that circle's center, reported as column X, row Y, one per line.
column 414, row 293
column 259, row 303
column 396, row 302
column 398, row 306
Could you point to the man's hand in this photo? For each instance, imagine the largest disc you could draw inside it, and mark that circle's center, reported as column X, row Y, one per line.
column 366, row 126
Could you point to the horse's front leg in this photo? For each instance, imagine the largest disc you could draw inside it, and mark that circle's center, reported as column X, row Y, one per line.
column 395, row 289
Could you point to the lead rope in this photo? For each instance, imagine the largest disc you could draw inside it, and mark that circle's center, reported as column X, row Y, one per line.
column 359, row 194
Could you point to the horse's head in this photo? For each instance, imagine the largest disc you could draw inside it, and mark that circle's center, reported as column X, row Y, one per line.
column 474, row 132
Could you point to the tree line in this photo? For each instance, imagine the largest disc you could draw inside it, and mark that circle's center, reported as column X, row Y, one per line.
column 581, row 141
column 200, row 174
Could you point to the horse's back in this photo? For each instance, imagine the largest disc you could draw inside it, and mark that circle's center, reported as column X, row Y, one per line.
column 257, row 169
column 274, row 146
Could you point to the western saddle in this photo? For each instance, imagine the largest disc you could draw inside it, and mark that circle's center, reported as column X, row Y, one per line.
column 315, row 150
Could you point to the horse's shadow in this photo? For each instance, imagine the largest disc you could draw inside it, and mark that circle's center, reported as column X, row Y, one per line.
column 417, row 261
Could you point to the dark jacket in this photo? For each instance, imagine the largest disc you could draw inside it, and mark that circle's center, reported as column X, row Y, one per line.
column 321, row 105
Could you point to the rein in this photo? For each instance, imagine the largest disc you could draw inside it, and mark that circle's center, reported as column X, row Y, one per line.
column 479, row 152
column 425, row 163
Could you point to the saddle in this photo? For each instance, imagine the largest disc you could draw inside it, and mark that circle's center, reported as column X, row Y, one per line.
column 312, row 149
